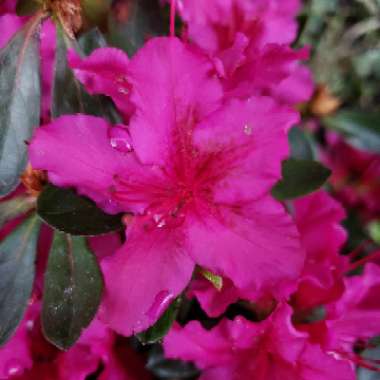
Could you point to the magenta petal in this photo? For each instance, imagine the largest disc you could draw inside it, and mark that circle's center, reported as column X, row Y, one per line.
column 76, row 151
column 319, row 365
column 143, row 277
column 105, row 71
column 167, row 78
column 9, row 25
column 358, row 311
column 253, row 136
column 258, row 248
column 47, row 51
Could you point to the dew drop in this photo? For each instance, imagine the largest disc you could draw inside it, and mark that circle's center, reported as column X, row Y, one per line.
column 29, row 324
column 13, row 368
column 120, row 139
column 123, row 90
column 159, row 220
column 160, row 304
column 248, row 129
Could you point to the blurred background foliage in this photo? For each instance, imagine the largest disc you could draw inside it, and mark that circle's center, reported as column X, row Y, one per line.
column 344, row 37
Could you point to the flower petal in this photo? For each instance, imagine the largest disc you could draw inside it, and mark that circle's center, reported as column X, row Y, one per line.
column 167, row 78
column 252, row 135
column 143, row 277
column 257, row 247
column 76, row 151
column 105, row 71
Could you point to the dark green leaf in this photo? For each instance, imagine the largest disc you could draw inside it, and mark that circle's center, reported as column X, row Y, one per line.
column 17, row 256
column 69, row 212
column 300, row 145
column 168, row 368
column 144, row 21
column 69, row 95
column 300, row 177
column 72, row 290
column 14, row 207
column 20, row 95
column 362, row 129
column 162, row 326
column 27, row 7
column 91, row 40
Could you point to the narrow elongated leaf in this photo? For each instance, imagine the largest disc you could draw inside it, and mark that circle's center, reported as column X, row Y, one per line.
column 69, row 212
column 15, row 207
column 162, row 326
column 69, row 95
column 362, row 129
column 72, row 290
column 17, row 256
column 143, row 20
column 20, row 96
column 300, row 177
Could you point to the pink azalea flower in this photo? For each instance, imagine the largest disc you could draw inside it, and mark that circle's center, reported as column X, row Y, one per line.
column 105, row 71
column 248, row 42
column 322, row 279
column 355, row 176
column 195, row 172
column 242, row 350
column 354, row 318
column 356, row 315
column 29, row 356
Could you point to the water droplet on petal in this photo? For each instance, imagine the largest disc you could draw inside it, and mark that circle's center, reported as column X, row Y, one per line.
column 13, row 368
column 123, row 90
column 29, row 324
column 160, row 304
column 248, row 129
column 120, row 139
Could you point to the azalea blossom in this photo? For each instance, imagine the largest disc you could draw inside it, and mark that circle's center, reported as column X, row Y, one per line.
column 196, row 174
column 249, row 44
column 29, row 356
column 322, row 279
column 240, row 349
column 355, row 176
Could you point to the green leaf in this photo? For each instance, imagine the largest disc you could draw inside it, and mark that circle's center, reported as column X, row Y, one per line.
column 143, row 21
column 14, row 207
column 20, row 96
column 27, row 7
column 374, row 231
column 72, row 290
column 216, row 281
column 362, row 129
column 17, row 257
column 69, row 95
column 300, row 177
column 91, row 40
column 162, row 326
column 69, row 212
column 300, row 144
